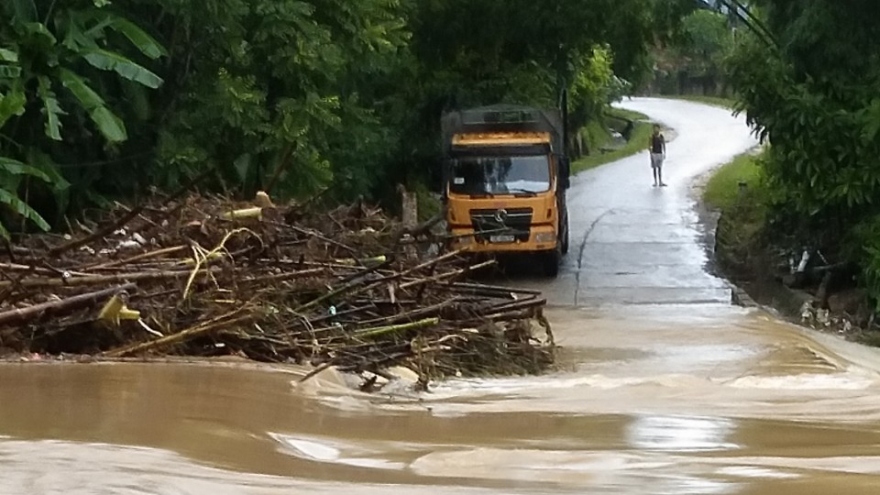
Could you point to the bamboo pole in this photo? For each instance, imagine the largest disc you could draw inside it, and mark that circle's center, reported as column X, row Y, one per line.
column 105, row 279
column 139, row 257
column 444, row 276
column 417, row 313
column 183, row 335
column 37, row 310
column 377, row 331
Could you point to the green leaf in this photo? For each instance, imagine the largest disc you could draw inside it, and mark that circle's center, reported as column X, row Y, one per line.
column 22, row 209
column 39, row 37
column 109, row 61
column 139, row 38
column 110, row 126
column 43, row 162
column 7, row 55
column 51, row 108
column 10, row 72
column 15, row 167
column 75, row 39
column 3, row 232
column 12, row 103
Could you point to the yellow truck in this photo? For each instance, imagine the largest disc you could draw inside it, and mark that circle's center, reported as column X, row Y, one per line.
column 505, row 176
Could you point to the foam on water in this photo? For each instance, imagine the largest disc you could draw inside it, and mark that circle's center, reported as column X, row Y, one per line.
column 838, row 381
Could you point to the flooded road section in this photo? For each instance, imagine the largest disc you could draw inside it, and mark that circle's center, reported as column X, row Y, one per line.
column 663, row 387
column 666, row 400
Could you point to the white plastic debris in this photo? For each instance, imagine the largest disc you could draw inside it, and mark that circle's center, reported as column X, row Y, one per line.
column 128, row 244
column 807, row 312
column 822, row 317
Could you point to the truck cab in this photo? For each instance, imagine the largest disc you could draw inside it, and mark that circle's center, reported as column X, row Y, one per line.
column 505, row 177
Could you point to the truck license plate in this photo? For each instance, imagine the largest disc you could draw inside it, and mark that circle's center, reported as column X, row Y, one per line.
column 502, row 238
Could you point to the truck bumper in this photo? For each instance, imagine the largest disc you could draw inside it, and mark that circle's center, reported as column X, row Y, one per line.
column 541, row 239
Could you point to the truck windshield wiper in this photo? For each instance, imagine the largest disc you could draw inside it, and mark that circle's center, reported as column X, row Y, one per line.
column 522, row 192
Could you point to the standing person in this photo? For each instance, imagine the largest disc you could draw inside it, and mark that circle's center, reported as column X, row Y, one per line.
column 657, row 147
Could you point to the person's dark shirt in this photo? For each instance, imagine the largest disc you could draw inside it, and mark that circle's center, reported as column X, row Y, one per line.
column 657, row 143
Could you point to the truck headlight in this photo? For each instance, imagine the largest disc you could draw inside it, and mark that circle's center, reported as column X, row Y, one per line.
column 545, row 237
column 466, row 240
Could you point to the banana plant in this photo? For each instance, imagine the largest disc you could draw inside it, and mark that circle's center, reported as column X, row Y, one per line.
column 11, row 172
column 53, row 56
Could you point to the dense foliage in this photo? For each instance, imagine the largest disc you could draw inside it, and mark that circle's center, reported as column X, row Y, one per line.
column 693, row 61
column 102, row 98
column 809, row 85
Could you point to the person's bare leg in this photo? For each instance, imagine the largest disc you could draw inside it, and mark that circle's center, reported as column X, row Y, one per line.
column 660, row 176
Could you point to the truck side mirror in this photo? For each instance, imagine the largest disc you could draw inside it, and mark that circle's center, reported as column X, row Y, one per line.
column 564, row 172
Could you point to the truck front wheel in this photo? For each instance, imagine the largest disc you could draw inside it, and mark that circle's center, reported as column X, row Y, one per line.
column 565, row 241
column 551, row 262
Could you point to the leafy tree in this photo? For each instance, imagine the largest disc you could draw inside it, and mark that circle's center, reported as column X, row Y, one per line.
column 696, row 53
column 812, row 94
column 52, row 57
column 273, row 93
column 815, row 100
column 295, row 96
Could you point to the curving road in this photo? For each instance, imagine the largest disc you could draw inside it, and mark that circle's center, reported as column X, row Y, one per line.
column 636, row 244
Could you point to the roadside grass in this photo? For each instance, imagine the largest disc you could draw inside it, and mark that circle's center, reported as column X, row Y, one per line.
column 637, row 142
column 716, row 101
column 622, row 113
column 723, row 188
column 743, row 212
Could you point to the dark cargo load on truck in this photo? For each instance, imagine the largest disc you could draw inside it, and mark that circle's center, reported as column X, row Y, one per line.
column 503, row 118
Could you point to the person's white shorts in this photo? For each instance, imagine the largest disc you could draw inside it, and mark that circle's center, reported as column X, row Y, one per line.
column 657, row 160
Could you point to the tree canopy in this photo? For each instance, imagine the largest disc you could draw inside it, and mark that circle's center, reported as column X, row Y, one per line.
column 813, row 95
column 102, row 98
column 809, row 86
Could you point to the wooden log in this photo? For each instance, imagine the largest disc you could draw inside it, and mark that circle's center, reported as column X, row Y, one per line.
column 410, row 209
column 15, row 267
column 39, row 310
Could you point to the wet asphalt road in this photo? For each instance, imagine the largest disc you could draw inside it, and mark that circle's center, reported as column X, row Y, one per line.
column 636, row 244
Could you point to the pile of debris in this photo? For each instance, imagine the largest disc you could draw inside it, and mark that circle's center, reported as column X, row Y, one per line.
column 206, row 276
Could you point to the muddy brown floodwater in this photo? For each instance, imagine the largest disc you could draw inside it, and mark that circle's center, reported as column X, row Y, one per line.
column 665, row 400
column 663, row 387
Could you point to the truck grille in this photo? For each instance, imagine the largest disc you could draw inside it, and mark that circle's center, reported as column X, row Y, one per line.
column 502, row 221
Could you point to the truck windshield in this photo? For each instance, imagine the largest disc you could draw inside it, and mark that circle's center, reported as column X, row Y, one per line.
column 500, row 175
